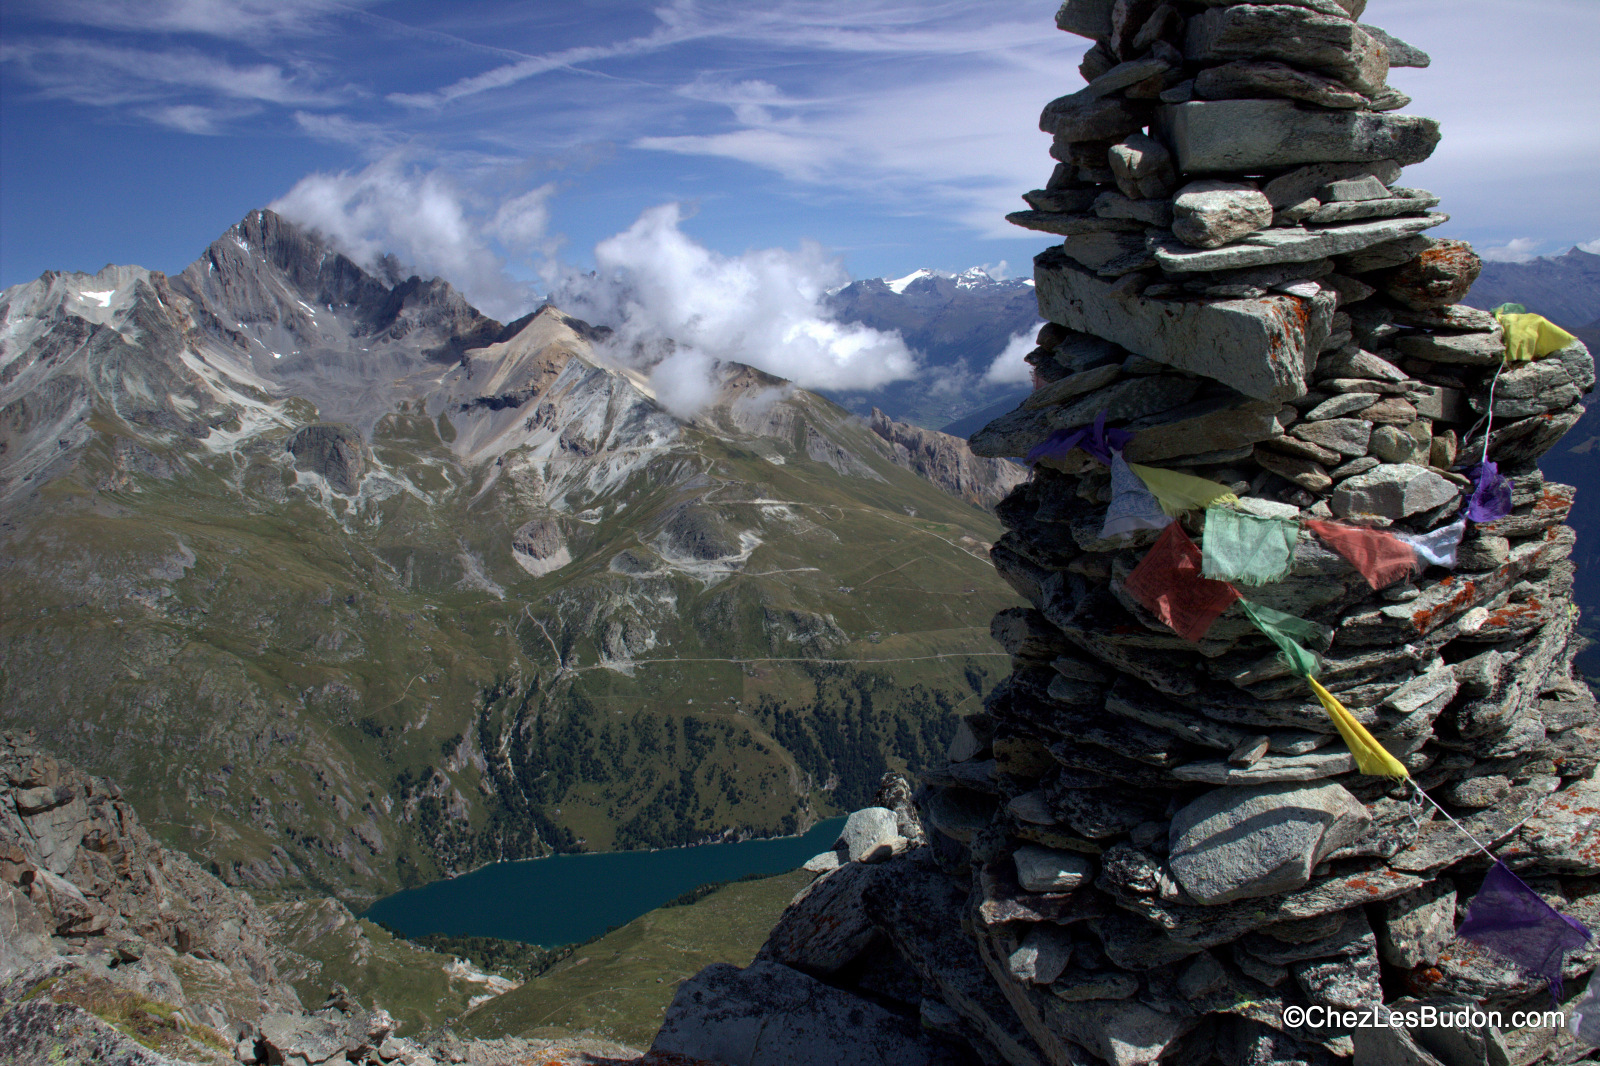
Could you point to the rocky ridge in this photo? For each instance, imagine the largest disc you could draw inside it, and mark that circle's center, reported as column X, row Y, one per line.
column 1146, row 848
column 115, row 949
column 948, row 461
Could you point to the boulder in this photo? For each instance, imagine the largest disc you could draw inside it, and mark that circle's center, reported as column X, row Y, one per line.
column 1143, row 167
column 1210, row 213
column 1041, row 869
column 824, row 862
column 1241, row 843
column 1086, row 18
column 1086, row 116
column 871, row 834
column 1149, row 212
column 1248, row 79
column 1288, row 244
column 1309, row 181
column 309, row 1038
column 1333, row 45
column 1394, row 445
column 1265, row 348
column 1392, row 490
column 1217, row 424
column 1414, row 927
column 1437, row 278
column 824, row 929
column 1349, row 190
column 1346, row 436
column 1249, row 136
column 24, row 940
column 1044, row 952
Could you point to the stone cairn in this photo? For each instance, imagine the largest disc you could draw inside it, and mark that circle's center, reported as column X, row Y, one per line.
column 1145, row 848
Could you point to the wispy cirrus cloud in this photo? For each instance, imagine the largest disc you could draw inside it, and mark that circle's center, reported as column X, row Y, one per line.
column 235, row 19
column 885, row 122
column 105, row 75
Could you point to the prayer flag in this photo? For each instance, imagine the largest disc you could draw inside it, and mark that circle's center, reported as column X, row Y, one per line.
column 1585, row 1024
column 1529, row 336
column 1491, row 493
column 1097, row 440
column 1513, row 920
column 1133, row 506
column 1438, row 547
column 1382, row 558
column 1168, row 582
column 1245, row 549
column 1287, row 632
column 1182, row 492
column 1371, row 758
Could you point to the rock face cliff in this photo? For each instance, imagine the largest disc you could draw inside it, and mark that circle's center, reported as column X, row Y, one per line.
column 1153, row 844
column 948, row 462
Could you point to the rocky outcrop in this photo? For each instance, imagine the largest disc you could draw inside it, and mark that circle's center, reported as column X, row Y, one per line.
column 117, row 950
column 539, row 547
column 115, row 922
column 1153, row 841
column 948, row 461
column 331, row 451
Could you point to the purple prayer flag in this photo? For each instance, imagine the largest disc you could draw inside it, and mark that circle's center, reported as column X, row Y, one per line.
column 1491, row 493
column 1513, row 920
column 1097, row 440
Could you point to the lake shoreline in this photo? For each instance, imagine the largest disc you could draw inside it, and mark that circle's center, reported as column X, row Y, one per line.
column 569, row 897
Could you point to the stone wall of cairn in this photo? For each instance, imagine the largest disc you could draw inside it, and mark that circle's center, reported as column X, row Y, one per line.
column 1145, row 848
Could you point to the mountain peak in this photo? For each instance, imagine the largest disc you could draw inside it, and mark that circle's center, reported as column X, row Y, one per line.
column 898, row 285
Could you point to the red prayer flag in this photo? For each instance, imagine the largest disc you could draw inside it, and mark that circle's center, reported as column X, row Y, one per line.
column 1382, row 558
column 1168, row 582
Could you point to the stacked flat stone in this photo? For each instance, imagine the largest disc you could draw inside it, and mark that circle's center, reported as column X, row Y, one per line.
column 1249, row 291
column 1146, row 849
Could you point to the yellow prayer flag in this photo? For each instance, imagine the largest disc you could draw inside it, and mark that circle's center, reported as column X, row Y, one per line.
column 1182, row 492
column 1531, row 336
column 1371, row 758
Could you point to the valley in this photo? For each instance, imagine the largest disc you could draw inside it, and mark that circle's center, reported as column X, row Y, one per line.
column 352, row 588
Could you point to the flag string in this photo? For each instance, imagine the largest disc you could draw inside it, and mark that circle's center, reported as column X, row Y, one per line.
column 1460, row 828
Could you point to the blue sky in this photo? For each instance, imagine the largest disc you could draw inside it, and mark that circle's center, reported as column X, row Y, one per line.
column 497, row 142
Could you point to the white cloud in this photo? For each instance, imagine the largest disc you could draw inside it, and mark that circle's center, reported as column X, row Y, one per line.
column 522, row 223
column 1517, row 250
column 429, row 222
column 212, row 18
column 678, row 308
column 1592, row 247
column 107, row 75
column 193, row 118
column 1008, row 367
column 674, row 29
column 1520, row 148
column 341, row 129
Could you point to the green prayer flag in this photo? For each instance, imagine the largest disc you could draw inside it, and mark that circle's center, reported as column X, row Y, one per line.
column 1245, row 550
column 1287, row 631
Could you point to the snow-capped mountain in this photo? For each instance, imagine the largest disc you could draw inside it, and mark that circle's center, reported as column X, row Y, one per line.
column 958, row 323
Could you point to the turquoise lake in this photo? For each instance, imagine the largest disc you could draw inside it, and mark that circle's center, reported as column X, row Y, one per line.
column 566, row 899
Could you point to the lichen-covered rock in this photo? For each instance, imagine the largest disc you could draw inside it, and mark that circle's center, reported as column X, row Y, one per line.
column 1210, row 213
column 1239, row 843
column 1437, row 278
